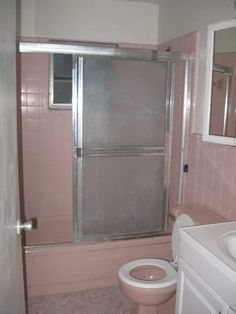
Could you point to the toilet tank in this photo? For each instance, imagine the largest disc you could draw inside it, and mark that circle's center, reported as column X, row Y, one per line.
column 199, row 214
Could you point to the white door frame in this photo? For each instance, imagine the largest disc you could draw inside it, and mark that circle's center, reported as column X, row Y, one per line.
column 11, row 270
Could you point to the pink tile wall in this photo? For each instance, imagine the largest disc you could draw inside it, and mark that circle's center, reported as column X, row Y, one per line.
column 211, row 180
column 47, row 161
column 47, row 154
column 187, row 44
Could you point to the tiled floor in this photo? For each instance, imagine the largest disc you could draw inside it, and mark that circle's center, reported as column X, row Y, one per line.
column 97, row 301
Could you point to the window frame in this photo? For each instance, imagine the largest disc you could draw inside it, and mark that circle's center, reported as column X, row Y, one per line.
column 52, row 104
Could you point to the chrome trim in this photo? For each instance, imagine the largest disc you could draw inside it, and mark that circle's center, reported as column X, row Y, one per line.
column 96, row 51
column 87, row 242
column 26, row 225
column 222, row 69
column 51, row 94
column 168, row 138
column 84, row 43
column 80, row 100
column 75, row 144
column 227, row 100
column 120, row 237
column 79, row 211
column 185, row 128
column 120, row 151
column 77, row 129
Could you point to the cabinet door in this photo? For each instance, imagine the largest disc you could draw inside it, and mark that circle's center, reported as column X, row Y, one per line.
column 195, row 296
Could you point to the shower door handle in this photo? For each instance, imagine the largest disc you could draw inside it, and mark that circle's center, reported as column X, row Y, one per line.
column 119, row 151
column 27, row 225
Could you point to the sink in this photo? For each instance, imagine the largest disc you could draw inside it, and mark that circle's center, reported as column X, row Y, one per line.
column 227, row 244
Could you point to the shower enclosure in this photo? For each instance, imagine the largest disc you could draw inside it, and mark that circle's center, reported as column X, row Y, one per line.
column 121, row 153
column 122, row 123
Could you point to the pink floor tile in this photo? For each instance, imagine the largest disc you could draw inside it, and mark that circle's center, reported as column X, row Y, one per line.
column 97, row 301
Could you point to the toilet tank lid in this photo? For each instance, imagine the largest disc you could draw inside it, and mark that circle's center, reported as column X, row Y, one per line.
column 199, row 214
column 182, row 221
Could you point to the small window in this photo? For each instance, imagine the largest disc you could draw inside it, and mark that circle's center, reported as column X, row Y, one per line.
column 60, row 96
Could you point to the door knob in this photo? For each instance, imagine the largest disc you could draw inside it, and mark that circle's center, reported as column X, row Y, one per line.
column 27, row 225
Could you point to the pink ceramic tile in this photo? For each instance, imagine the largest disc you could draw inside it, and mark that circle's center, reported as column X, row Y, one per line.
column 187, row 44
column 211, row 179
column 24, row 113
column 51, row 230
column 60, row 271
column 33, row 99
column 97, row 301
column 232, row 213
column 79, row 267
column 224, row 209
column 31, row 124
column 46, row 138
column 30, row 141
column 33, row 112
column 107, row 300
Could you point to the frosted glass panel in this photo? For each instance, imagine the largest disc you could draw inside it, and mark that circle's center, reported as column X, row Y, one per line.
column 122, row 195
column 123, row 103
column 121, row 191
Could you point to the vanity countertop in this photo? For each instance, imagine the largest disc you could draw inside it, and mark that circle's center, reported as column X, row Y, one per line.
column 207, row 239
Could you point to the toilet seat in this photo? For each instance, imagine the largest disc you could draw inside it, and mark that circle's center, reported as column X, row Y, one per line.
column 171, row 275
column 168, row 280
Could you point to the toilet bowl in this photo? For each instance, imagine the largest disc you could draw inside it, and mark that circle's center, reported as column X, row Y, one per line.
column 151, row 282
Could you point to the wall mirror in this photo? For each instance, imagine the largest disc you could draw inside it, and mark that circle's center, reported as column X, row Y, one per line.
column 60, row 81
column 220, row 123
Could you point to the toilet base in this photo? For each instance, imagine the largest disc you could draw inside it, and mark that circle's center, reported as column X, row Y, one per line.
column 143, row 309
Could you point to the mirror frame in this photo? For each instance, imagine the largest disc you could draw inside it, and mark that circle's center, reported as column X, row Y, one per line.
column 212, row 28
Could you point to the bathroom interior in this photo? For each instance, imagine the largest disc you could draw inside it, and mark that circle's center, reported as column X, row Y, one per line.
column 126, row 120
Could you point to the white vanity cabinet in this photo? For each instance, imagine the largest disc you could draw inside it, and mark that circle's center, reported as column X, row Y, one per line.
column 195, row 296
column 206, row 277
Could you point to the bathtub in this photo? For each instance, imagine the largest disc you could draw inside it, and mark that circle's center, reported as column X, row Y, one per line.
column 74, row 267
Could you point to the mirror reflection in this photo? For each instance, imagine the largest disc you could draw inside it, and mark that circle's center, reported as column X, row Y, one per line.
column 223, row 96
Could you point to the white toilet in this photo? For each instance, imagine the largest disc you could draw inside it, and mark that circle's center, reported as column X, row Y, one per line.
column 151, row 282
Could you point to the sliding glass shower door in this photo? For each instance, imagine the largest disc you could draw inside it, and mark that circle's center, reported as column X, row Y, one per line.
column 121, row 147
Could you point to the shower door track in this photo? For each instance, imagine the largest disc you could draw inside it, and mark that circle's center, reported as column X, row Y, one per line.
column 103, row 51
